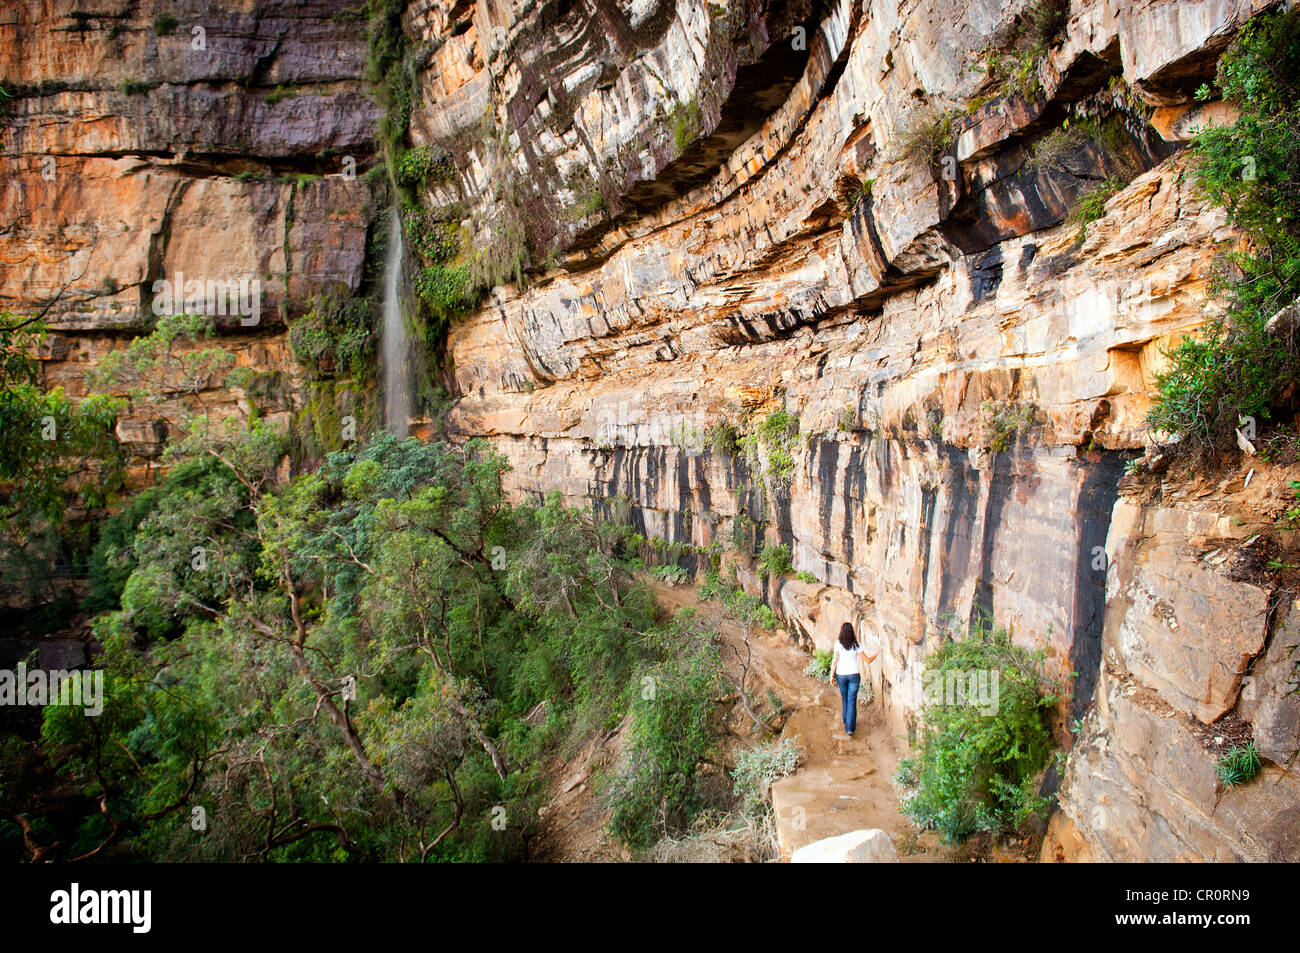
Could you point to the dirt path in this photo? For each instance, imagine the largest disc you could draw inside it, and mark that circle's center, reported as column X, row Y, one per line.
column 842, row 784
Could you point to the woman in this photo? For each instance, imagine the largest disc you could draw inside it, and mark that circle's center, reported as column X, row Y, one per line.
column 848, row 674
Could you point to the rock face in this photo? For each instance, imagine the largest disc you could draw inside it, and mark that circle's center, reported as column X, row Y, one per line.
column 218, row 141
column 1193, row 633
column 967, row 368
column 855, row 847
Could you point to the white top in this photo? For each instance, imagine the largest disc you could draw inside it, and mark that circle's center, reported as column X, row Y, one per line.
column 846, row 660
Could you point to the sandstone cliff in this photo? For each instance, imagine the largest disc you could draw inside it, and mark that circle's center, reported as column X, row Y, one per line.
column 966, row 372
column 144, row 140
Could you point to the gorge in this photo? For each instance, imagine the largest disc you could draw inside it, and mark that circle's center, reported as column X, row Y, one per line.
column 888, row 283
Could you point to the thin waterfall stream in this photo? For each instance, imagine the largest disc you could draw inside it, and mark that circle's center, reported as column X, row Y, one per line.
column 397, row 383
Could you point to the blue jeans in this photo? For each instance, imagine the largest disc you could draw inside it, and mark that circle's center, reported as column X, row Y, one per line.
column 849, row 699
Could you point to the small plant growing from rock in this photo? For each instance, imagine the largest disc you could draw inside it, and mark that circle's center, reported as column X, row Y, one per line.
column 279, row 93
column 687, row 438
column 742, row 534
column 852, row 191
column 722, row 439
column 935, row 424
column 1091, row 205
column 1003, row 421
column 770, row 447
column 686, row 125
column 447, row 289
column 1012, row 67
column 1238, row 765
column 1107, row 137
column 929, row 134
column 1291, row 518
column 775, row 560
column 423, row 164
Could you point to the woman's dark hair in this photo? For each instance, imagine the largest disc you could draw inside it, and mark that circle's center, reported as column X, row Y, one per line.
column 847, row 639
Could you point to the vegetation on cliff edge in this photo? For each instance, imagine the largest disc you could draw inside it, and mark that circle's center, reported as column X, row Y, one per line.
column 1236, row 367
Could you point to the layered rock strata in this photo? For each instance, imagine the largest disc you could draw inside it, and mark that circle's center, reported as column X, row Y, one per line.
column 967, row 367
column 218, row 143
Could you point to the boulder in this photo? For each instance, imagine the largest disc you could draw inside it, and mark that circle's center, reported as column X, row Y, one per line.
column 856, row 847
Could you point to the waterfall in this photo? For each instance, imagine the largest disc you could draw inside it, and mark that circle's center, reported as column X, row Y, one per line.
column 397, row 386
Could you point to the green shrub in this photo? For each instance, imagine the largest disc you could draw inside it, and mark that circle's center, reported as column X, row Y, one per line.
column 775, row 559
column 1003, row 421
column 1228, row 370
column 588, row 203
column 819, row 666
column 1291, row 517
column 977, row 764
column 390, row 70
column 713, row 588
column 1234, row 368
column 1091, row 204
column 722, row 439
column 1013, row 66
column 804, row 575
column 432, row 240
column 669, row 738
column 416, row 167
column 749, row 611
column 673, row 574
column 853, row 191
column 309, row 341
column 759, row 767
column 112, row 560
column 1239, row 765
column 686, row 125
column 1107, row 136
column 743, row 534
column 165, row 25
column 770, row 447
column 929, row 134
column 447, row 289
column 335, row 339
column 278, row 94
